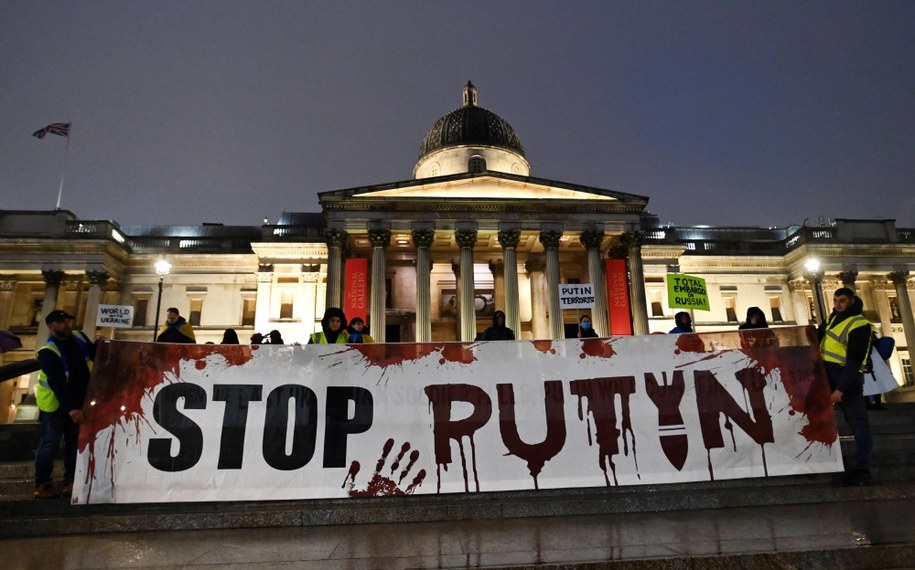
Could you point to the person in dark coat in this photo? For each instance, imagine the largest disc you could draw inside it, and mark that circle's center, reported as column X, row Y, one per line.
column 585, row 330
column 176, row 329
column 276, row 337
column 229, row 337
column 756, row 319
column 498, row 330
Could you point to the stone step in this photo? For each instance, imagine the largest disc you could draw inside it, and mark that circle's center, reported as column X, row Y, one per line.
column 57, row 517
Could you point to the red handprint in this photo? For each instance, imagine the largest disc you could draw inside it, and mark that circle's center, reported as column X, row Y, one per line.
column 380, row 485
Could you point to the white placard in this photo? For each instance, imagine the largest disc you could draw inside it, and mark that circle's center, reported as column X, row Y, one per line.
column 115, row 316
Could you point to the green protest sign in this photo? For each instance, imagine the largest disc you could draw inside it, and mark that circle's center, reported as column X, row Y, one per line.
column 686, row 292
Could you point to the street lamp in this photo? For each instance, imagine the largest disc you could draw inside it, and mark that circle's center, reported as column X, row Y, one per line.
column 815, row 274
column 162, row 268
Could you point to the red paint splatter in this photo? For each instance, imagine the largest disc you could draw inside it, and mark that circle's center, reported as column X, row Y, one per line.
column 600, row 348
column 124, row 373
column 384, row 355
column 544, row 346
column 381, row 485
column 690, row 342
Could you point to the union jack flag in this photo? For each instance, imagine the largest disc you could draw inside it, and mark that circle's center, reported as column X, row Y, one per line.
column 59, row 129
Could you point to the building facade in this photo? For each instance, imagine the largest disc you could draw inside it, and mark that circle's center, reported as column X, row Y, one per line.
column 471, row 233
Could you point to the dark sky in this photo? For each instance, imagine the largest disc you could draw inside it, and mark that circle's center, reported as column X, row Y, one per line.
column 722, row 113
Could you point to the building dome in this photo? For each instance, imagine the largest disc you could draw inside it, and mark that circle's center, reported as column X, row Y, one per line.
column 471, row 125
column 470, row 132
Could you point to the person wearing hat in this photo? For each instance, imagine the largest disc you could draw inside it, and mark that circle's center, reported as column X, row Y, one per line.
column 66, row 361
column 333, row 328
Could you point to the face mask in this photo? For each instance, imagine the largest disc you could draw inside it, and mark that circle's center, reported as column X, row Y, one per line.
column 586, row 325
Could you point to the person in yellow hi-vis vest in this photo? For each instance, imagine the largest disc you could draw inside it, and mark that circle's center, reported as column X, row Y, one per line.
column 333, row 328
column 845, row 343
column 66, row 362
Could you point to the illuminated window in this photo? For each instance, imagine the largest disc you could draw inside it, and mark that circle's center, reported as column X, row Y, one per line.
column 196, row 309
column 247, row 312
column 286, row 305
column 139, row 312
column 730, row 308
column 775, row 306
column 907, row 372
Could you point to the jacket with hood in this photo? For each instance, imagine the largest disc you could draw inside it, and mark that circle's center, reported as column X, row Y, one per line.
column 760, row 320
column 497, row 331
column 327, row 336
column 684, row 323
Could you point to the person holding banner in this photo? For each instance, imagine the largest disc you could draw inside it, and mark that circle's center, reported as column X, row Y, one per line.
column 584, row 328
column 66, row 362
column 333, row 328
column 845, row 342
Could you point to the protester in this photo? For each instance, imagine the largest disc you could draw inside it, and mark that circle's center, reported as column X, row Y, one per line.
column 176, row 329
column 684, row 323
column 498, row 330
column 357, row 332
column 229, row 337
column 276, row 337
column 333, row 328
column 585, row 330
column 257, row 338
column 756, row 319
column 66, row 361
column 845, row 339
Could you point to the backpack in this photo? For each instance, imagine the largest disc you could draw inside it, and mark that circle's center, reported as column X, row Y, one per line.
column 884, row 346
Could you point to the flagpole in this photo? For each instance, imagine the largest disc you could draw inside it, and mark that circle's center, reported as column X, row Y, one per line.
column 63, row 166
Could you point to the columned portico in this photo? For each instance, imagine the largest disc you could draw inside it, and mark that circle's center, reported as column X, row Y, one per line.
column 509, row 239
column 380, row 240
column 900, row 281
column 592, row 240
column 466, row 238
column 422, row 239
column 550, row 241
column 97, row 279
column 637, row 284
column 335, row 240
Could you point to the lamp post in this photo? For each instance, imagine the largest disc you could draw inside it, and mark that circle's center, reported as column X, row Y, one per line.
column 162, row 268
column 815, row 274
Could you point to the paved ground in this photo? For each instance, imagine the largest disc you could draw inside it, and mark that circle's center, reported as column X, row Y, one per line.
column 850, row 526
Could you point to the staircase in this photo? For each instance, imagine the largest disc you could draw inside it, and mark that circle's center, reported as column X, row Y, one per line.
column 894, row 474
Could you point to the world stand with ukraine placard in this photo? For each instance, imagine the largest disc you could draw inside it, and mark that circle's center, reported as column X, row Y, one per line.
column 686, row 292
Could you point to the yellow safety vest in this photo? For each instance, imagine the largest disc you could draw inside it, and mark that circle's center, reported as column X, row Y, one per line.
column 44, row 395
column 319, row 338
column 835, row 341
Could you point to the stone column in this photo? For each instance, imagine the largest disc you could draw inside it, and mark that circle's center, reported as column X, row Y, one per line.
column 7, row 298
column 262, row 302
column 550, row 241
column 52, row 280
column 497, row 268
column 422, row 239
column 467, row 238
column 380, row 239
column 848, row 279
column 633, row 241
column 799, row 306
column 535, row 267
column 335, row 240
column 600, row 319
column 509, row 239
column 900, row 280
column 97, row 279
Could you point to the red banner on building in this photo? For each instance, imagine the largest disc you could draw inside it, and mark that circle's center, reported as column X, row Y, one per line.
column 618, row 297
column 355, row 288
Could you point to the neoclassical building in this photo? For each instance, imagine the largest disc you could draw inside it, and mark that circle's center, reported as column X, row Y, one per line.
column 470, row 233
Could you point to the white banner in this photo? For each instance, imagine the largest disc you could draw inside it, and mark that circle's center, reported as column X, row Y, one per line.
column 170, row 422
column 579, row 296
column 115, row 316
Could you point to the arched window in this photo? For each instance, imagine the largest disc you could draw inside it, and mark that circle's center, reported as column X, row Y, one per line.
column 435, row 169
column 477, row 164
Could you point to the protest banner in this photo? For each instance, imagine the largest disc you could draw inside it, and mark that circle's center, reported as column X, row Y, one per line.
column 175, row 422
column 686, row 292
column 355, row 291
column 115, row 316
column 580, row 296
column 618, row 297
